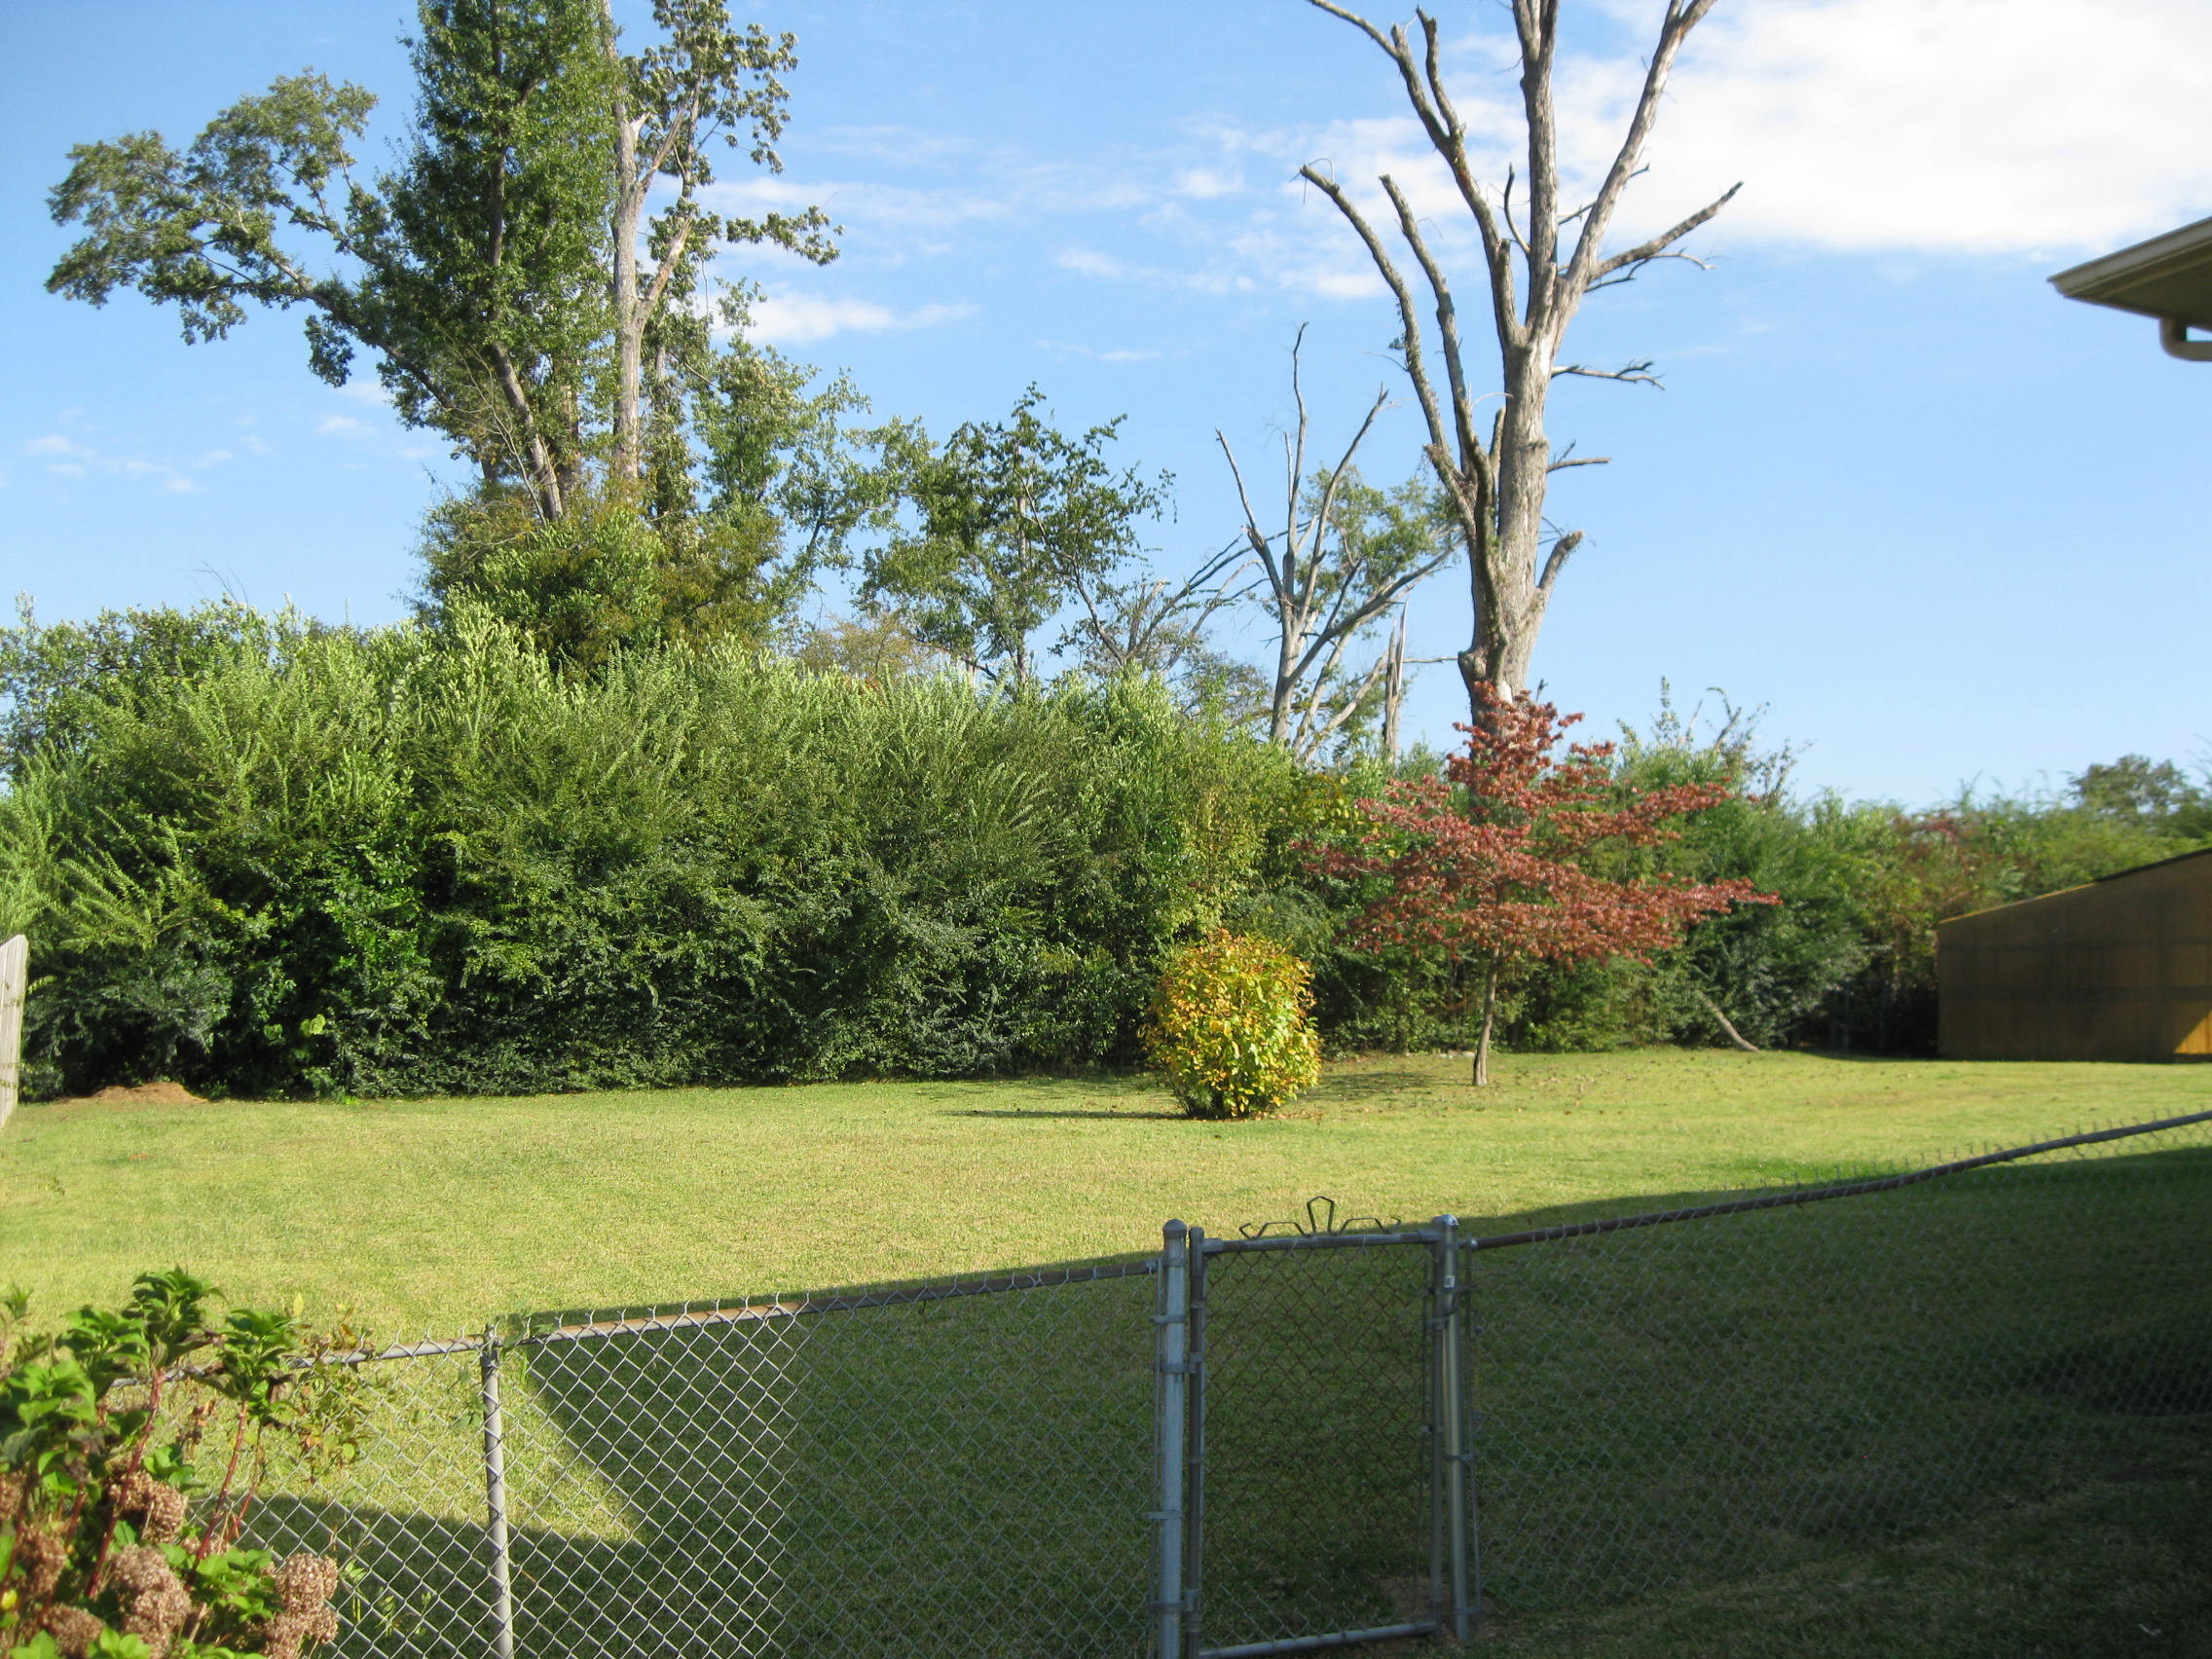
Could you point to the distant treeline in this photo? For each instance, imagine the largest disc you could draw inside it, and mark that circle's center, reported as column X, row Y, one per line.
column 271, row 857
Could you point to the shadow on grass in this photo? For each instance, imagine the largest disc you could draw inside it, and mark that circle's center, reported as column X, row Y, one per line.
column 1660, row 1409
column 1105, row 1113
column 966, row 1476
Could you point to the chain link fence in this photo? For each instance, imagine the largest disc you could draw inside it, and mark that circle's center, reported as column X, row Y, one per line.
column 1302, row 1437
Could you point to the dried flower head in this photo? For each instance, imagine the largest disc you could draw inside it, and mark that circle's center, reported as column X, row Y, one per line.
column 139, row 1568
column 282, row 1636
column 304, row 1582
column 157, row 1614
column 74, row 1631
column 40, row 1556
column 157, row 1507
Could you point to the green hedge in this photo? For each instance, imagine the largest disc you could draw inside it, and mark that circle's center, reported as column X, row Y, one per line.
column 370, row 863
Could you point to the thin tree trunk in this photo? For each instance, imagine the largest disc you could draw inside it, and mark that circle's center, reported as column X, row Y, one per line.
column 1712, row 1008
column 1490, row 1015
column 629, row 205
column 544, row 473
column 1395, row 691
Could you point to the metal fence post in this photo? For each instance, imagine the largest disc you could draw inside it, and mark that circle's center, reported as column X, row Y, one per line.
column 496, row 1501
column 1171, row 1363
column 1452, row 1610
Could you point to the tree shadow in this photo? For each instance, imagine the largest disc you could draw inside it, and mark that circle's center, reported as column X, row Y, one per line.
column 964, row 1475
column 1094, row 1114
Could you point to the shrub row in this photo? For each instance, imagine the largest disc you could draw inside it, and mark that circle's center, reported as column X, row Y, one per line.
column 372, row 864
column 268, row 857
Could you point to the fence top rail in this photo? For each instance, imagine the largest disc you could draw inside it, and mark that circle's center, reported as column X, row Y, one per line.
column 695, row 1315
column 1319, row 1241
column 533, row 1330
column 1835, row 1190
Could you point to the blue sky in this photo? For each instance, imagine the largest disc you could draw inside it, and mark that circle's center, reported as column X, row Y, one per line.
column 1945, row 525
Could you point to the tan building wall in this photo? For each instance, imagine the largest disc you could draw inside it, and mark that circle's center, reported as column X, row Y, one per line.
column 2119, row 970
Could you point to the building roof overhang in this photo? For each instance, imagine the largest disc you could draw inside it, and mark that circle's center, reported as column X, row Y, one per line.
column 2168, row 278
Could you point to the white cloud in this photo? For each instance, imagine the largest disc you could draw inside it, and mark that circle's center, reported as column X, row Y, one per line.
column 1090, row 262
column 340, row 426
column 1116, row 354
column 1974, row 125
column 800, row 318
column 1207, row 279
column 366, row 392
column 80, row 459
column 1996, row 127
column 2047, row 129
column 1204, row 184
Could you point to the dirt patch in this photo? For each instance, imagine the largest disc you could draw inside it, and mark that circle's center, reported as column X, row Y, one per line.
column 164, row 1094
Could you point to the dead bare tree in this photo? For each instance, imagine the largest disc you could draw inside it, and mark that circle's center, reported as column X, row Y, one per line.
column 1496, row 485
column 1149, row 624
column 1325, row 580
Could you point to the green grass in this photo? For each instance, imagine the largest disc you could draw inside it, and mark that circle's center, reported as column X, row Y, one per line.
column 2114, row 1567
column 1967, row 1419
column 438, row 1213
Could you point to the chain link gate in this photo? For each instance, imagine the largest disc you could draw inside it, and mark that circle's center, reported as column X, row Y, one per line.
column 1311, row 1439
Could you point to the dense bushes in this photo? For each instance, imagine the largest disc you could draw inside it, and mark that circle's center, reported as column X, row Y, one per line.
column 269, row 857
column 377, row 864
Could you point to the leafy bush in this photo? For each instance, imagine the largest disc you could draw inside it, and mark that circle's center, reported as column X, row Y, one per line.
column 1230, row 1027
column 399, row 864
column 114, row 1544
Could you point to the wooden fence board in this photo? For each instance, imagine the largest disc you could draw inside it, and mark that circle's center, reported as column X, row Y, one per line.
column 14, row 980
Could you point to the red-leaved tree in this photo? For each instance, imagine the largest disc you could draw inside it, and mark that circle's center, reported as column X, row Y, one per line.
column 1498, row 875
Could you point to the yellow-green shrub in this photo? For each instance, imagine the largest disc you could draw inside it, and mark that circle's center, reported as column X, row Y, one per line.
column 1230, row 1026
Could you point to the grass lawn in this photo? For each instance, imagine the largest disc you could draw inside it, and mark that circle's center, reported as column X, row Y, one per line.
column 1966, row 1418
column 434, row 1215
column 2116, row 1566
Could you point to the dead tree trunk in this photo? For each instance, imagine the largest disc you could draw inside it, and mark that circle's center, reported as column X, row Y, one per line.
column 1496, row 482
column 1393, row 690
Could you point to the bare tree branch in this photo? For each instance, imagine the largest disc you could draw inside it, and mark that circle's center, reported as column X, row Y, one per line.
column 1628, row 374
column 1644, row 252
column 1562, row 550
column 1417, row 369
column 1682, row 16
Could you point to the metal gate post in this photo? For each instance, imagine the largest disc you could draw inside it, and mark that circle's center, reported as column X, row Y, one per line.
column 496, row 1501
column 1453, row 1611
column 1171, row 1397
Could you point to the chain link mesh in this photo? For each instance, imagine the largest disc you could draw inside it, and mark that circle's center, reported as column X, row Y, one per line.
column 406, row 1519
column 964, row 1467
column 1683, row 1404
column 1316, row 1459
column 945, row 1470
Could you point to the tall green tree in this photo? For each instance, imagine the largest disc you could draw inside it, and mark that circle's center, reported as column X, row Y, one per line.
column 495, row 279
column 1007, row 519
